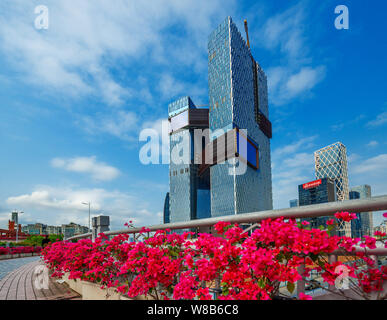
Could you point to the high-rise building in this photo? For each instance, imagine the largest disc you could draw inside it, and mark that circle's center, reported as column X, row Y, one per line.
column 166, row 216
column 238, row 100
column 365, row 218
column 189, row 192
column 238, row 120
column 293, row 203
column 356, row 224
column 316, row 192
column 382, row 227
column 73, row 229
column 15, row 217
column 331, row 162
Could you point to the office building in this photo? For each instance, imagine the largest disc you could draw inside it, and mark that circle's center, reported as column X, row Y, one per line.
column 35, row 229
column 210, row 183
column 189, row 192
column 238, row 99
column 316, row 192
column 293, row 203
column 166, row 216
column 331, row 162
column 73, row 229
column 364, row 192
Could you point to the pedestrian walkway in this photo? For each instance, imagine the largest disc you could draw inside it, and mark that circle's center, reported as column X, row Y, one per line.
column 6, row 266
column 18, row 282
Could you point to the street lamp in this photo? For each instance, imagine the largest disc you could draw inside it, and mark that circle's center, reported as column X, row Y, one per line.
column 87, row 204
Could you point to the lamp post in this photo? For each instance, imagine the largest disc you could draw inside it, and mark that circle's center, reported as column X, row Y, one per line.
column 87, row 204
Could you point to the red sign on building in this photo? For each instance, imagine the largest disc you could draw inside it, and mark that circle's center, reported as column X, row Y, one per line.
column 312, row 184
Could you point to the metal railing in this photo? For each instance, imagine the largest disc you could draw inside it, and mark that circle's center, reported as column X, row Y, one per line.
column 319, row 210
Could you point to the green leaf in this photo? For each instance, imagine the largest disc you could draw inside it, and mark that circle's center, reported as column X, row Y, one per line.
column 290, row 286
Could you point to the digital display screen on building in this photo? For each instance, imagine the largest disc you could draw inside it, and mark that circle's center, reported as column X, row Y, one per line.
column 312, row 184
column 247, row 150
column 179, row 121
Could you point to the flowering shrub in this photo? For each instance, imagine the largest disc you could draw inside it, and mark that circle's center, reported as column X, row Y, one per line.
column 17, row 250
column 243, row 266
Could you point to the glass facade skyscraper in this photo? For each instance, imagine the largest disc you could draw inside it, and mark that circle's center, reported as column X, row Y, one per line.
column 366, row 218
column 238, row 99
column 331, row 162
column 189, row 193
column 315, row 192
column 238, row 112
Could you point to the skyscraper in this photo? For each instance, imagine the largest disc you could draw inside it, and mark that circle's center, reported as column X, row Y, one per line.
column 331, row 162
column 239, row 100
column 293, row 203
column 239, row 136
column 366, row 218
column 189, row 196
column 315, row 192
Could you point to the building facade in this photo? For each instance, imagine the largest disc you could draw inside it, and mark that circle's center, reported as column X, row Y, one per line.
column 166, row 216
column 238, row 99
column 293, row 203
column 73, row 229
column 365, row 218
column 331, row 162
column 382, row 227
column 35, row 229
column 238, row 134
column 316, row 192
column 189, row 192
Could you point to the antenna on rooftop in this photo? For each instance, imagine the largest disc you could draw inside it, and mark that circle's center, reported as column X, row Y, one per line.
column 247, row 34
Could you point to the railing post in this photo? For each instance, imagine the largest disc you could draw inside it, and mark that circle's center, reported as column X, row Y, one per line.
column 301, row 283
column 332, row 258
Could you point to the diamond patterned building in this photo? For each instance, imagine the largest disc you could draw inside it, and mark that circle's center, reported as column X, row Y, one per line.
column 331, row 162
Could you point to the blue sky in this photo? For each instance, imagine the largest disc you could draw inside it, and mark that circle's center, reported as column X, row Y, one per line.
column 74, row 98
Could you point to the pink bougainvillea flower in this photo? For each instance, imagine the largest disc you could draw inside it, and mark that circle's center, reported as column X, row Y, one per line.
column 346, row 216
column 304, row 296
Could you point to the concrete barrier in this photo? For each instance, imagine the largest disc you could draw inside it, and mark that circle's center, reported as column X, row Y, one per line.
column 93, row 291
column 18, row 256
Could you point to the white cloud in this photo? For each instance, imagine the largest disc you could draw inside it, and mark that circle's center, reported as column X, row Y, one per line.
column 292, row 165
column 98, row 170
column 295, row 76
column 303, row 143
column 74, row 55
column 119, row 123
column 380, row 120
column 375, row 165
column 304, row 80
column 55, row 206
column 372, row 143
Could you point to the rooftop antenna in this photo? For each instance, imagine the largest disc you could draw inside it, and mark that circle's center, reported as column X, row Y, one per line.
column 247, row 34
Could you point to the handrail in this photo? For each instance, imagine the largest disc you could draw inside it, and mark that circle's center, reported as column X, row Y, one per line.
column 318, row 210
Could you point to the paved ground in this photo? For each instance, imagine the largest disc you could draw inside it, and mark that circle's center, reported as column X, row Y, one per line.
column 18, row 281
column 7, row 266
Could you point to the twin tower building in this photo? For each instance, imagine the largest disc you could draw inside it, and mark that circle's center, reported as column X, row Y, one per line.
column 220, row 157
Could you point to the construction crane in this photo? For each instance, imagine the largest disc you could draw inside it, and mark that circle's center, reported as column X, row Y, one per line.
column 247, row 34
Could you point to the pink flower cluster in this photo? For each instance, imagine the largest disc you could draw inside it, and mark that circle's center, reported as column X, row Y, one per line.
column 17, row 250
column 173, row 266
